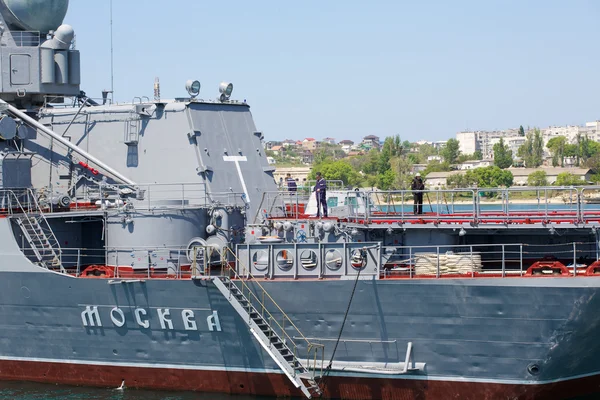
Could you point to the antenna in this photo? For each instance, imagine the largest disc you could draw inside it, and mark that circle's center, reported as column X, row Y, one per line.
column 156, row 89
column 112, row 71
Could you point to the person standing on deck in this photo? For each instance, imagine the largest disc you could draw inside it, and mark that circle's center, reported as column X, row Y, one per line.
column 291, row 183
column 417, row 188
column 321, row 193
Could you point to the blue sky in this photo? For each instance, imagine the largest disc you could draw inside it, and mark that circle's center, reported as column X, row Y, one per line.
column 346, row 69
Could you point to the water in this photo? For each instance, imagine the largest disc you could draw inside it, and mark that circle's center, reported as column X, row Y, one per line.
column 38, row 391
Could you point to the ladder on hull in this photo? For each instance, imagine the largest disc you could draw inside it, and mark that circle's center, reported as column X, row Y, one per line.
column 268, row 338
column 43, row 243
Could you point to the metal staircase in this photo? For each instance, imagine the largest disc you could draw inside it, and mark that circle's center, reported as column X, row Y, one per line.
column 272, row 335
column 26, row 212
column 43, row 243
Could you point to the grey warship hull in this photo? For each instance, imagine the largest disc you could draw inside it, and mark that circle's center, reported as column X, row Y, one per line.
column 146, row 244
column 478, row 338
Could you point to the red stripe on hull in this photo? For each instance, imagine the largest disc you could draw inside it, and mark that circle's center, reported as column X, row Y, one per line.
column 347, row 388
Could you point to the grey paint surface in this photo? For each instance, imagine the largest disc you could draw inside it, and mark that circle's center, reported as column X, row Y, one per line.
column 461, row 329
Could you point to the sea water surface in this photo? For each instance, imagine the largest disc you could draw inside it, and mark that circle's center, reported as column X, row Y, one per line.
column 38, row 391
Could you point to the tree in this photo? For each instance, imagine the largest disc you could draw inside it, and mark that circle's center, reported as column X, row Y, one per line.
column 556, row 145
column 568, row 179
column 458, row 181
column 436, row 166
column 451, row 151
column 521, row 131
column 425, row 150
column 402, row 172
column 502, row 155
column 537, row 178
column 337, row 170
column 478, row 155
column 386, row 180
column 532, row 150
column 490, row 177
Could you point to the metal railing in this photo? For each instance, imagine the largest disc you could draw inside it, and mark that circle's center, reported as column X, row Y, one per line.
column 485, row 260
column 439, row 261
column 23, row 38
column 473, row 205
column 144, row 197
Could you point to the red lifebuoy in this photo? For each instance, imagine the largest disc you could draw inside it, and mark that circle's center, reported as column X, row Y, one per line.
column 98, row 271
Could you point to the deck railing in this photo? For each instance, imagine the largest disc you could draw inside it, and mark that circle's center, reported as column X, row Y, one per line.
column 501, row 260
column 528, row 205
column 419, row 261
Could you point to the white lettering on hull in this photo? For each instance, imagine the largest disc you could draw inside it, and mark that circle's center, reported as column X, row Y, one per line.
column 140, row 317
column 91, row 317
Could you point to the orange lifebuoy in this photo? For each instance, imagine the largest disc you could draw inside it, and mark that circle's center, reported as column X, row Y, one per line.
column 98, row 271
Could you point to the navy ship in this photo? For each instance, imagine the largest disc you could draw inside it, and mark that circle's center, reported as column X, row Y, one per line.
column 147, row 244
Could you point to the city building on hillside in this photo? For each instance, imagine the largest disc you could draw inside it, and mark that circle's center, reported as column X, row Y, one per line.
column 472, row 164
column 269, row 145
column 309, row 144
column 371, row 142
column 520, row 174
column 437, row 180
column 289, row 143
column 346, row 145
column 298, row 173
column 329, row 140
column 418, row 168
column 484, row 141
column 277, row 150
column 514, row 142
column 307, row 157
column 440, row 144
column 434, row 158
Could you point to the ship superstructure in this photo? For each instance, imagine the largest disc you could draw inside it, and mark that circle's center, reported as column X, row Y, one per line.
column 147, row 242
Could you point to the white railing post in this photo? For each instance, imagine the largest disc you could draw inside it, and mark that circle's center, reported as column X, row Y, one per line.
column 503, row 263
column 438, row 261
column 574, row 259
column 410, row 263
column 521, row 258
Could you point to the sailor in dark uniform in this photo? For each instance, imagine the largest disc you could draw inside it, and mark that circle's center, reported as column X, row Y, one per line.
column 321, row 193
column 291, row 183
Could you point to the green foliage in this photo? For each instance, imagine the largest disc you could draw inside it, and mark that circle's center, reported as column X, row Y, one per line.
column 385, row 180
column 556, row 145
column 593, row 163
column 436, row 166
column 571, row 150
column 490, row 177
column 451, row 151
column 502, row 155
column 568, row 179
column 532, row 150
column 537, row 178
column 464, row 157
column 595, row 178
column 402, row 172
column 425, row 150
column 458, row 181
column 337, row 170
column 478, row 155
column 521, row 131
column 414, row 159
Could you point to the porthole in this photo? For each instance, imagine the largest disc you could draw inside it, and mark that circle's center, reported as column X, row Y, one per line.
column 308, row 259
column 260, row 260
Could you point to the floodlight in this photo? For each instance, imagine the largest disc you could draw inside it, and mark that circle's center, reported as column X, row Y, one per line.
column 193, row 87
